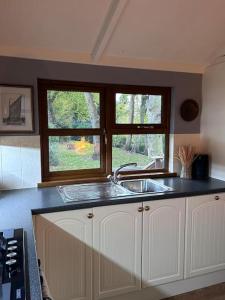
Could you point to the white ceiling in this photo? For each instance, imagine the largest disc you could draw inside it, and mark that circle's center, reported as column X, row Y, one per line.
column 180, row 35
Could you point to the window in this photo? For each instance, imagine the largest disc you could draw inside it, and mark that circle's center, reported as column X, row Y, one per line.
column 138, row 109
column 147, row 150
column 88, row 130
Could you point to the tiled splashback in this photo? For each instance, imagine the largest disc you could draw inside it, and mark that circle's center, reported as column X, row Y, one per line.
column 20, row 164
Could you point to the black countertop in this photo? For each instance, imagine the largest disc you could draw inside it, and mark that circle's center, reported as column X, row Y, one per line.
column 17, row 207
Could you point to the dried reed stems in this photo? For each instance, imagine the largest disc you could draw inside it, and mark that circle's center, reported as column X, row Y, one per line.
column 186, row 156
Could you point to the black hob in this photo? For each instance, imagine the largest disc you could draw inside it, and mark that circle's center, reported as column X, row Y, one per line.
column 12, row 265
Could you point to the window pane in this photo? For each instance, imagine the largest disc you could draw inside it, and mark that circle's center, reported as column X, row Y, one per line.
column 73, row 109
column 74, row 152
column 147, row 150
column 138, row 109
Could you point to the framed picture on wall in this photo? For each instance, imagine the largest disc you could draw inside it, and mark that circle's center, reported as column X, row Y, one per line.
column 16, row 109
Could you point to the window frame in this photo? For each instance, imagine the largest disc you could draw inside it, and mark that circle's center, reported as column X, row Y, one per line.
column 108, row 127
column 164, row 128
column 45, row 132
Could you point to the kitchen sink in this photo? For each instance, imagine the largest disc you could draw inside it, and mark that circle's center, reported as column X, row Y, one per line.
column 104, row 190
column 144, row 186
column 88, row 191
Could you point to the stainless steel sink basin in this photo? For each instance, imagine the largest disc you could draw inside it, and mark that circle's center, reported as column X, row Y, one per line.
column 144, row 186
column 88, row 191
column 104, row 190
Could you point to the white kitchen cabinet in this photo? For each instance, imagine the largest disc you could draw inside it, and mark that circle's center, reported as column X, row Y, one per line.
column 64, row 245
column 109, row 251
column 163, row 241
column 205, row 234
column 117, row 236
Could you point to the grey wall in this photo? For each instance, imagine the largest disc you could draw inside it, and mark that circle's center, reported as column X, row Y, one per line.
column 185, row 85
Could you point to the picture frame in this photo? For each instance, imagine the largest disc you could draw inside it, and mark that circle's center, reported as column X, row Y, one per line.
column 16, row 109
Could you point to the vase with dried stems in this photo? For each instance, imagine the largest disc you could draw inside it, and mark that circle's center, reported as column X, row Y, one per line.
column 186, row 156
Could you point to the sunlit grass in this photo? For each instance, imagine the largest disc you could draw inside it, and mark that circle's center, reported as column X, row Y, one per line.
column 121, row 156
column 71, row 160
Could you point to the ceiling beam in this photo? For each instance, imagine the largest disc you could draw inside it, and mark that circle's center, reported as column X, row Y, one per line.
column 114, row 12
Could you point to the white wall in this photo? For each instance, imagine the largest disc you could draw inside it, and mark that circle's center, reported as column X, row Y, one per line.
column 213, row 118
column 20, row 165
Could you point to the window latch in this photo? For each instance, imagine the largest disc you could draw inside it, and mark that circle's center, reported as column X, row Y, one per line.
column 145, row 127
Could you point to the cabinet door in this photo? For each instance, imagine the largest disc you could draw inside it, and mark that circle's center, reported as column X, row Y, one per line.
column 64, row 242
column 163, row 241
column 117, row 233
column 205, row 236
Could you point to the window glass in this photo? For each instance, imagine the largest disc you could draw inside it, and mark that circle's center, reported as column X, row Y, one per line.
column 68, row 109
column 74, row 152
column 147, row 150
column 138, row 109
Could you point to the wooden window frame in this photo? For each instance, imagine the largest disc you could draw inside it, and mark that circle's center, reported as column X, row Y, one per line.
column 108, row 127
column 163, row 128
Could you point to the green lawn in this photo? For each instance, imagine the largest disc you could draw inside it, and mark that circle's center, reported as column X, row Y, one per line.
column 121, row 157
column 70, row 160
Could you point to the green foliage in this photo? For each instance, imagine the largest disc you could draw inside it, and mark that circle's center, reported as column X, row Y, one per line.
column 152, row 108
column 69, row 109
column 119, row 141
column 53, row 154
column 154, row 144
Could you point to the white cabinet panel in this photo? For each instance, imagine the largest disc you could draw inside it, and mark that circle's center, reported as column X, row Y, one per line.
column 64, row 245
column 205, row 234
column 117, row 234
column 163, row 241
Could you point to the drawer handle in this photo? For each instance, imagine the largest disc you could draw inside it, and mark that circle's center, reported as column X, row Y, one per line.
column 90, row 216
column 140, row 209
column 147, row 207
column 217, row 198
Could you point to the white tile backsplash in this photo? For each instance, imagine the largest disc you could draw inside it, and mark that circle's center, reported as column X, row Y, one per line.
column 20, row 163
column 11, row 159
column 31, row 167
column 11, row 180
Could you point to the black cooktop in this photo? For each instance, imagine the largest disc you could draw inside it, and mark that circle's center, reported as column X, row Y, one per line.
column 12, row 264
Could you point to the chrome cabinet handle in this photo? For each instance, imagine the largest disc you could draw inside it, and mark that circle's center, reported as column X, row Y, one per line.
column 140, row 209
column 90, row 215
column 217, row 198
column 147, row 207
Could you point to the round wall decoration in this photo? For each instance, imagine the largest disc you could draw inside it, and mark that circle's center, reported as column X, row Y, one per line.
column 189, row 110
